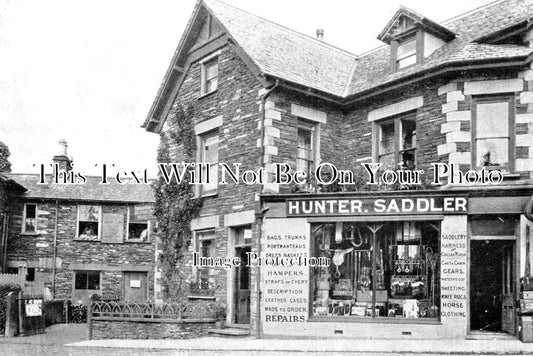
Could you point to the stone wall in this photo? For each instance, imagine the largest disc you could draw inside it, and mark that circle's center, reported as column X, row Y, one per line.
column 124, row 329
column 36, row 250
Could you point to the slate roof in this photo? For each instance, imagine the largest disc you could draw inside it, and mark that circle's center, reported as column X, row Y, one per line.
column 89, row 191
column 279, row 52
column 284, row 53
column 291, row 56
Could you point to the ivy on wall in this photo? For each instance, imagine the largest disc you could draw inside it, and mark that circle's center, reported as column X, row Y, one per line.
column 176, row 204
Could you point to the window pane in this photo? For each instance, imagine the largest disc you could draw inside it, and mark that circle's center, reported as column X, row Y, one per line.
column 387, row 160
column 386, row 142
column 89, row 212
column 408, row 134
column 30, row 211
column 138, row 231
column 211, row 70
column 211, row 85
column 93, row 280
column 80, row 281
column 492, row 120
column 406, row 49
column 210, row 147
column 493, row 152
column 407, row 61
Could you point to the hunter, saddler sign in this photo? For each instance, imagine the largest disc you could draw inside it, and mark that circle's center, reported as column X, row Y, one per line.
column 378, row 206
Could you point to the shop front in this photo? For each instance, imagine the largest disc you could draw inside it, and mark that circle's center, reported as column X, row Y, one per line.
column 432, row 264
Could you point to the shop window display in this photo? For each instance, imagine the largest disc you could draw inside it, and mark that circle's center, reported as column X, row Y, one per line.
column 377, row 270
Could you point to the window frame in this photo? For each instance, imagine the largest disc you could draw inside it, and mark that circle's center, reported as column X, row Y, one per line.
column 313, row 128
column 198, row 271
column 24, row 217
column 205, row 64
column 398, row 133
column 490, row 99
column 99, row 232
column 128, row 222
column 202, row 138
column 416, row 35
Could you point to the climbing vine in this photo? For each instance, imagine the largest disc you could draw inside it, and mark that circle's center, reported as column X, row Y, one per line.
column 175, row 204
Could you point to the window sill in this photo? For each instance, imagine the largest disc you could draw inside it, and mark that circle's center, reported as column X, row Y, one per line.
column 85, row 240
column 204, row 297
column 207, row 94
column 209, row 194
column 29, row 234
column 381, row 320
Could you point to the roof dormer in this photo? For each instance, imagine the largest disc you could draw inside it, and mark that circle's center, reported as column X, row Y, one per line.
column 412, row 37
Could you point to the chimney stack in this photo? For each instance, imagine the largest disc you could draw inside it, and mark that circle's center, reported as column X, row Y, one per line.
column 61, row 159
column 320, row 34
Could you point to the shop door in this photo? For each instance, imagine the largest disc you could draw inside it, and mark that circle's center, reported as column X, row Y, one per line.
column 135, row 286
column 492, row 286
column 242, row 287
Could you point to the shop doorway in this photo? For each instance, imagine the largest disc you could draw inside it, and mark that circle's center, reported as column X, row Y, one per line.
column 492, row 286
column 242, row 287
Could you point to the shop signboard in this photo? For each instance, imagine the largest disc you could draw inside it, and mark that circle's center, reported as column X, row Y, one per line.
column 391, row 205
column 33, row 307
column 453, row 267
column 285, row 287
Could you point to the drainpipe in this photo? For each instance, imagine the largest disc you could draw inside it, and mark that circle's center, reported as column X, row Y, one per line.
column 528, row 210
column 55, row 253
column 5, row 217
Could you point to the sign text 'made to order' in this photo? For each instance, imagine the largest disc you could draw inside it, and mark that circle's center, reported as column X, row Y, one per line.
column 378, row 206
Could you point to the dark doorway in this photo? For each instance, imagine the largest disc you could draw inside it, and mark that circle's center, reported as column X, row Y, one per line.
column 492, row 286
column 242, row 287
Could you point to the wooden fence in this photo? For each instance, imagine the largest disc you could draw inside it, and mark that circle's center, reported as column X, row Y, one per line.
column 29, row 288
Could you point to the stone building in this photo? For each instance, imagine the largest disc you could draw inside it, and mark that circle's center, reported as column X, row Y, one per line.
column 99, row 235
column 407, row 260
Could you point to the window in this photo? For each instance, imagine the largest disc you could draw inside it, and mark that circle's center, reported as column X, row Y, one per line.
column 86, row 283
column 88, row 222
column 209, row 76
column 305, row 154
column 396, row 144
column 492, row 133
column 87, row 280
column 209, row 154
column 30, row 274
column 378, row 270
column 406, row 54
column 205, row 247
column 138, row 223
column 30, row 218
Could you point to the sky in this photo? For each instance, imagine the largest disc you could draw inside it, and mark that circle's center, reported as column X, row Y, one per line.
column 88, row 71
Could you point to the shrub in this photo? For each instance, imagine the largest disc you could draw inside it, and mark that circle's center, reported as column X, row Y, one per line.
column 77, row 313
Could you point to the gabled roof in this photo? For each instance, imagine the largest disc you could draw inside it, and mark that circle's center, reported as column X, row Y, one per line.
column 406, row 19
column 281, row 53
column 92, row 190
column 284, row 53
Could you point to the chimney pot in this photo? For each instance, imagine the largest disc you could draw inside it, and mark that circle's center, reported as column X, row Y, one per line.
column 62, row 144
column 320, row 34
column 61, row 159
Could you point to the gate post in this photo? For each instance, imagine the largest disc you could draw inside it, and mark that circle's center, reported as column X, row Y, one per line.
column 21, row 313
column 11, row 314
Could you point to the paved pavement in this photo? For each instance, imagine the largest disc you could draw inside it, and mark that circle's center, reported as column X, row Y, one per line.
column 71, row 339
